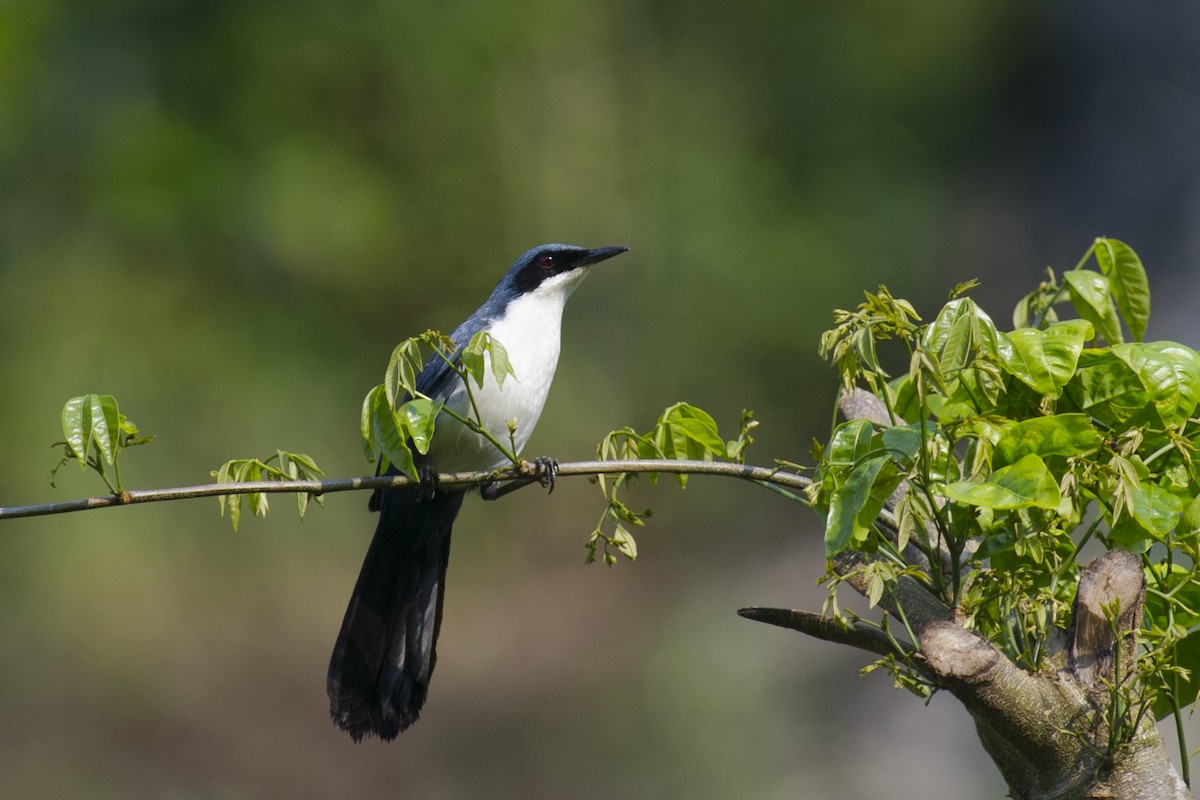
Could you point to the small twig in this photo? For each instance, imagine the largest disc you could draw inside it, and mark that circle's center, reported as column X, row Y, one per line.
column 519, row 477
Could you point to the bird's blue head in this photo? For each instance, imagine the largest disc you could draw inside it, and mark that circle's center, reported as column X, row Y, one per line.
column 549, row 269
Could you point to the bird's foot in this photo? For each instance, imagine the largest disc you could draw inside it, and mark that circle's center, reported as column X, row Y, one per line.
column 490, row 490
column 545, row 471
column 428, row 476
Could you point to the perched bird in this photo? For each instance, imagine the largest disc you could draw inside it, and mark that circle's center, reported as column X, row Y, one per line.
column 385, row 652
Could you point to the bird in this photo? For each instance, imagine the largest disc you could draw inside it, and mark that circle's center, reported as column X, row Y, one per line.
column 386, row 649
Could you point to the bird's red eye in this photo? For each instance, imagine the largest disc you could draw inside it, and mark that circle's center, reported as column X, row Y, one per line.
column 546, row 260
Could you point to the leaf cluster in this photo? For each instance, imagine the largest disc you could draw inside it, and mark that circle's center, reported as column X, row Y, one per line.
column 1005, row 452
column 95, row 433
column 282, row 466
column 682, row 432
column 398, row 418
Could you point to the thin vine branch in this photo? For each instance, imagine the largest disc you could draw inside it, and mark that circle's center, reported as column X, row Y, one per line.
column 520, row 476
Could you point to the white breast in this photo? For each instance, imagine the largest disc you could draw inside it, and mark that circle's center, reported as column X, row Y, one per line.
column 530, row 331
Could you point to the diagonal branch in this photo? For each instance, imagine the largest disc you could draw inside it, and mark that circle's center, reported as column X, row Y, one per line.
column 857, row 634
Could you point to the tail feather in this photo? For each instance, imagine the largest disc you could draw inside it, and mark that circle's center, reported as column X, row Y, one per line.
column 385, row 653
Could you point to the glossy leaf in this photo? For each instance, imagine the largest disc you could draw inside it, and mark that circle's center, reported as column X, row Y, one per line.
column 1107, row 388
column 961, row 333
column 848, row 500
column 1059, row 435
column 73, row 427
column 1170, row 374
column 1127, row 281
column 106, row 425
column 1156, row 509
column 1093, row 301
column 386, row 436
column 1025, row 484
column 1046, row 359
column 419, row 417
column 851, row 442
column 684, row 431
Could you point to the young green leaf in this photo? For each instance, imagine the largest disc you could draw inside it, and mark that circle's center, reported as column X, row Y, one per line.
column 851, row 442
column 1107, row 388
column 402, row 370
column 1093, row 301
column 1058, row 435
column 106, row 424
column 1156, row 509
column 960, row 334
column 73, row 426
column 387, row 436
column 1170, row 374
column 479, row 351
column 419, row 417
column 1127, row 281
column 847, row 502
column 1046, row 359
column 1025, row 484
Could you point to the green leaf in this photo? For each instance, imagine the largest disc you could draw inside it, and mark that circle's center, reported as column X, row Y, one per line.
column 1170, row 374
column 1127, row 281
column 961, row 333
column 479, row 351
column 386, row 436
column 1046, row 359
column 364, row 420
column 1093, row 301
column 419, row 417
column 501, row 366
column 1189, row 522
column 472, row 360
column 624, row 542
column 1107, row 388
column 308, row 466
column 684, row 431
column 402, row 370
column 848, row 500
column 851, row 442
column 696, row 425
column 1155, row 509
column 901, row 443
column 106, row 425
column 73, row 426
column 1059, row 435
column 1025, row 484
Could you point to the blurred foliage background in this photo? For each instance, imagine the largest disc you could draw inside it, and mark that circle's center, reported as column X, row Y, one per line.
column 226, row 214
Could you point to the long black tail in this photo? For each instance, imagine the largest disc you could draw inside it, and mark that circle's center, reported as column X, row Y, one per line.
column 379, row 672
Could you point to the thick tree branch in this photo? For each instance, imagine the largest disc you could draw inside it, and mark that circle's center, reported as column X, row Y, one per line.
column 522, row 476
column 1108, row 604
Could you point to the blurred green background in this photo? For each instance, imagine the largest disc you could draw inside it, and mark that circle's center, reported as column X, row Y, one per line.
column 226, row 214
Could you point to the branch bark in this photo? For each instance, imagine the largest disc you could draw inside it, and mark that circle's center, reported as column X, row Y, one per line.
column 523, row 475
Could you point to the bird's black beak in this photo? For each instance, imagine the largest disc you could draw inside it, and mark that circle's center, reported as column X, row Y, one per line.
column 600, row 254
